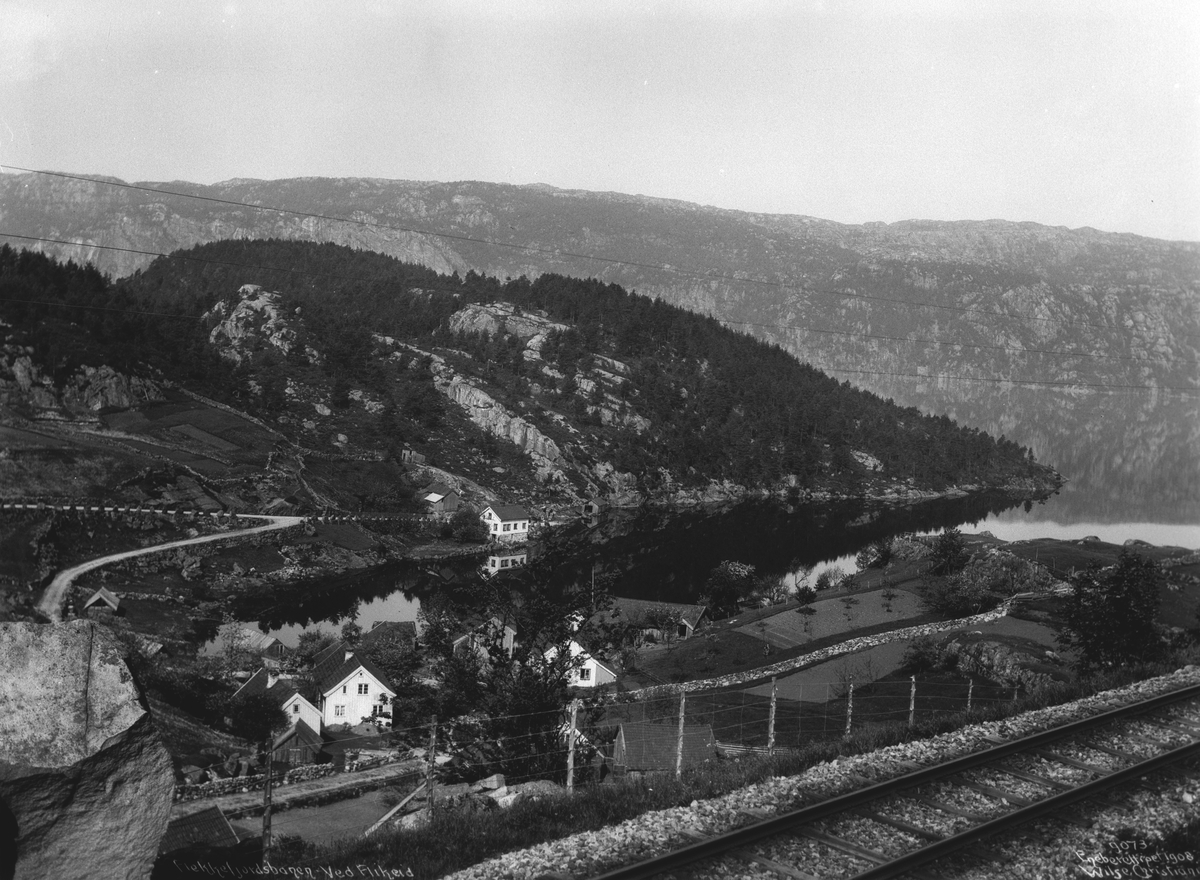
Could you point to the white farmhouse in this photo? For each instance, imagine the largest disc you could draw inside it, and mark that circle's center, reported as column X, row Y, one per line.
column 352, row 688
column 506, row 522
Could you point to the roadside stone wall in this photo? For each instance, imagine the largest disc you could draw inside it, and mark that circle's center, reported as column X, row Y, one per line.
column 847, row 647
column 241, row 784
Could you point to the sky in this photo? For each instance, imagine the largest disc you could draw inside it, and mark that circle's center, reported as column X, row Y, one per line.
column 1065, row 113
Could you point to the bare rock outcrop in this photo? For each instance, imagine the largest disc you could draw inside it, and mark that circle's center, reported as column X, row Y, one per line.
column 85, row 782
column 504, row 318
column 89, row 390
column 257, row 320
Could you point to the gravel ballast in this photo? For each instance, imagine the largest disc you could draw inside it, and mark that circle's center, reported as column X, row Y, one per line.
column 1028, row 855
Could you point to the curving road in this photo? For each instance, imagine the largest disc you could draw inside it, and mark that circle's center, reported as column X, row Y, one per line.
column 52, row 601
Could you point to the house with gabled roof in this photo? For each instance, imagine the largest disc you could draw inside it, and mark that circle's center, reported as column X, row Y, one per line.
column 506, row 522
column 645, row 747
column 590, row 669
column 403, row 631
column 481, row 633
column 266, row 646
column 656, row 620
column 102, row 602
column 440, row 499
column 284, row 693
column 351, row 688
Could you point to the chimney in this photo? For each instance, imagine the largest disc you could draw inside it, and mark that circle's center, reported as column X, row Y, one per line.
column 271, row 679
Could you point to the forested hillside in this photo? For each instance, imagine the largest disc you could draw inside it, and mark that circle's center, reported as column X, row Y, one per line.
column 1080, row 344
column 605, row 378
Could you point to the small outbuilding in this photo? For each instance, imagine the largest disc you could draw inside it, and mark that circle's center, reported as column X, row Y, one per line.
column 206, row 828
column 102, row 602
column 644, row 747
column 440, row 499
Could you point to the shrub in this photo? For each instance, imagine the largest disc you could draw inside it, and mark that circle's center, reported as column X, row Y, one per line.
column 949, row 553
column 923, row 654
column 1110, row 616
column 831, row 578
column 875, row 555
column 958, row 596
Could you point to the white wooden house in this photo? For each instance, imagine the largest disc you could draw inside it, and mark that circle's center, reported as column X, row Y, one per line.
column 592, row 671
column 352, row 689
column 506, row 522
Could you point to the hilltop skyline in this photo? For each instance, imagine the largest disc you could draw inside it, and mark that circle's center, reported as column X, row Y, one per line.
column 1076, row 114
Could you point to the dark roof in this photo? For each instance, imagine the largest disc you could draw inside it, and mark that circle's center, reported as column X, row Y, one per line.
column 509, row 512
column 635, row 611
column 280, row 692
column 437, row 489
column 303, row 734
column 383, row 630
column 337, row 666
column 209, row 827
column 325, row 653
column 654, row 746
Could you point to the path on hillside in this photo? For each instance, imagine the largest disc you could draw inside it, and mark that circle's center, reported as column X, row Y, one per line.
column 52, row 601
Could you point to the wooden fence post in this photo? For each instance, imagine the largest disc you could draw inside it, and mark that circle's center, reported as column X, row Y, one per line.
column 849, row 706
column 970, row 692
column 432, row 760
column 571, row 747
column 771, row 719
column 912, row 702
column 679, row 744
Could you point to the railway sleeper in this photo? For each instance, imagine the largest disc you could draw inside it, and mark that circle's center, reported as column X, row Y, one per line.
column 842, row 845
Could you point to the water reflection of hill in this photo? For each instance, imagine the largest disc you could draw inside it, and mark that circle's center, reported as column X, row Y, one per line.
column 1127, row 457
column 647, row 554
column 668, row 556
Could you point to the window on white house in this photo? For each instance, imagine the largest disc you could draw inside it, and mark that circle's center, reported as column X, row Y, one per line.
column 506, row 527
column 339, row 711
column 362, row 689
column 296, row 709
column 343, row 689
column 495, row 528
column 585, row 674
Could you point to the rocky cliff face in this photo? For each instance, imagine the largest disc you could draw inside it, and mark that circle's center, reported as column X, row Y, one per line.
column 254, row 321
column 24, row 383
column 85, row 781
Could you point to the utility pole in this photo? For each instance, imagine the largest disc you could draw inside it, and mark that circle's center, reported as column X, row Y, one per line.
column 432, row 761
column 266, row 826
column 679, row 742
column 571, row 747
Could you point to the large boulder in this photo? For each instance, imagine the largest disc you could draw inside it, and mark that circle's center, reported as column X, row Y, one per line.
column 85, row 782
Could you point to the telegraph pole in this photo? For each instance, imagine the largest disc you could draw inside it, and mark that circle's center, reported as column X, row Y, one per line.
column 266, row 855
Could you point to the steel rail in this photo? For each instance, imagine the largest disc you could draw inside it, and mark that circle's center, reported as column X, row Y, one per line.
column 742, row 837
column 969, row 836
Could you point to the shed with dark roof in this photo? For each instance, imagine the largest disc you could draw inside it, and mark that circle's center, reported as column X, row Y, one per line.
column 643, row 747
column 208, row 827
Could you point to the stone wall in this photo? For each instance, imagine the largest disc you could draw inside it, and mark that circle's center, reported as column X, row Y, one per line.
column 806, row 660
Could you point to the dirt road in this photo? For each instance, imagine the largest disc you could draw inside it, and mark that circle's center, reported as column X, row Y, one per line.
column 52, row 601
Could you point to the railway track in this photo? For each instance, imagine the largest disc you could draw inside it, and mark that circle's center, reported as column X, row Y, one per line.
column 903, row 826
